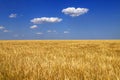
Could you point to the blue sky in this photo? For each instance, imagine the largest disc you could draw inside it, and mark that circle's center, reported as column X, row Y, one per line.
column 59, row 19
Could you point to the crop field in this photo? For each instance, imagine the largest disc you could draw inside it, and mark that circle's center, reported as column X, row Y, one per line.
column 60, row 60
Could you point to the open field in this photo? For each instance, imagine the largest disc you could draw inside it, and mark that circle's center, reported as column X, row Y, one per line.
column 60, row 60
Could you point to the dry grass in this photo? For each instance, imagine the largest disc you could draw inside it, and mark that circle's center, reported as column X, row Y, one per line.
column 60, row 60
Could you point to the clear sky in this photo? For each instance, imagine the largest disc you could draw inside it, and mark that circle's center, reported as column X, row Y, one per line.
column 59, row 19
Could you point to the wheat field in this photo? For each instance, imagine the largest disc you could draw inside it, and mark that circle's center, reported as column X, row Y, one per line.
column 60, row 60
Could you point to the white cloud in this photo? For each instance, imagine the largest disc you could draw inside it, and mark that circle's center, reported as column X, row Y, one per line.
column 39, row 33
column 33, row 27
column 72, row 11
column 12, row 15
column 1, row 27
column 46, row 20
column 66, row 32
column 5, row 31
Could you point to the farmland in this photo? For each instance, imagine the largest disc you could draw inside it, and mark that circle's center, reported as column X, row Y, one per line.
column 60, row 60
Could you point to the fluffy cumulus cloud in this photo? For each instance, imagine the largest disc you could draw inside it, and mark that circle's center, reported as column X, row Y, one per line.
column 72, row 11
column 33, row 27
column 12, row 15
column 46, row 20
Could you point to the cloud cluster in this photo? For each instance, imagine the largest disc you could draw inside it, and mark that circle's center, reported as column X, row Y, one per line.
column 33, row 27
column 72, row 11
column 12, row 15
column 3, row 29
column 46, row 20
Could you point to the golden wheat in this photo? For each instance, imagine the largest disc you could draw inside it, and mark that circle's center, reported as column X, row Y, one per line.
column 60, row 60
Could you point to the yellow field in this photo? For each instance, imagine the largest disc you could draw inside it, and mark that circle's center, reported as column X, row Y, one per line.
column 60, row 60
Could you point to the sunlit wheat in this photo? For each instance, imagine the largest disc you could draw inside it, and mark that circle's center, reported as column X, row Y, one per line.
column 60, row 60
